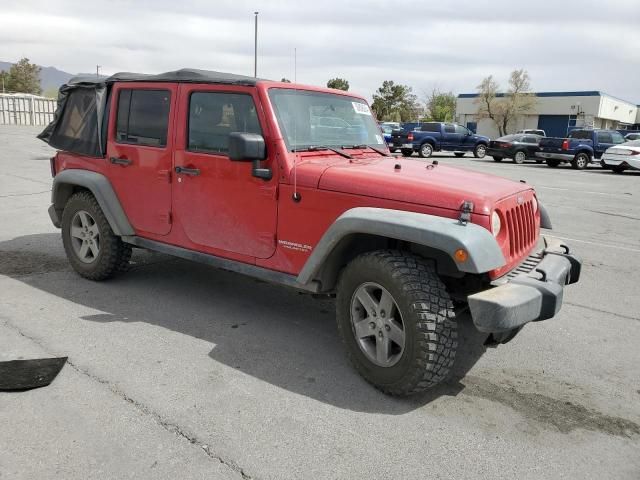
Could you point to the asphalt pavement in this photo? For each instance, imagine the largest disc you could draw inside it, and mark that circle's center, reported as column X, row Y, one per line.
column 178, row 370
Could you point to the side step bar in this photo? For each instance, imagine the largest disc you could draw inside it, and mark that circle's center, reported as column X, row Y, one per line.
column 254, row 271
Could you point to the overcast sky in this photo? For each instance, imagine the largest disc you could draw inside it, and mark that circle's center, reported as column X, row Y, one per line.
column 565, row 45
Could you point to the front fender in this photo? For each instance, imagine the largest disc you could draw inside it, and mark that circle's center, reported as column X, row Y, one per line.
column 444, row 234
column 64, row 184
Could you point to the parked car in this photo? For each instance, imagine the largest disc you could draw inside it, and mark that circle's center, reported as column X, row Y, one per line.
column 625, row 156
column 386, row 133
column 632, row 136
column 438, row 136
column 579, row 148
column 519, row 147
column 393, row 125
column 533, row 131
column 225, row 169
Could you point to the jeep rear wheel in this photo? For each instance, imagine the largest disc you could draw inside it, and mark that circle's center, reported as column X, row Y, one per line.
column 580, row 161
column 426, row 150
column 396, row 321
column 92, row 248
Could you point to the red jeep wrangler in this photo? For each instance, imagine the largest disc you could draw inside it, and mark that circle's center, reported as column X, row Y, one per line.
column 295, row 185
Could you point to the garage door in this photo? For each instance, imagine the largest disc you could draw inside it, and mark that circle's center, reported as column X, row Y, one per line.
column 554, row 125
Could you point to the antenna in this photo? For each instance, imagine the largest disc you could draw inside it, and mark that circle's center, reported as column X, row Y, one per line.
column 296, row 196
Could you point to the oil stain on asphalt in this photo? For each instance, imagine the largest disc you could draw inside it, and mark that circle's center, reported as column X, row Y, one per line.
column 564, row 416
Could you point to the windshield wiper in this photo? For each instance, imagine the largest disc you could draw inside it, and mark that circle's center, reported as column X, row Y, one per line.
column 317, row 148
column 375, row 149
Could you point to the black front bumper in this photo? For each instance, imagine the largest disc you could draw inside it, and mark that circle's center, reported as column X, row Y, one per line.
column 527, row 297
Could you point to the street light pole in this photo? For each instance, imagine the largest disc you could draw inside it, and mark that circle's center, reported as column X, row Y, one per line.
column 98, row 71
column 255, row 47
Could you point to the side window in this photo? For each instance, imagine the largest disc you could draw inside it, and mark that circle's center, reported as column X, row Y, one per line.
column 581, row 134
column 448, row 128
column 430, row 127
column 460, row 129
column 143, row 117
column 530, row 139
column 617, row 138
column 604, row 137
column 213, row 116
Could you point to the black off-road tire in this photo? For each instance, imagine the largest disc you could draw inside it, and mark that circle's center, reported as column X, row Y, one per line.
column 459, row 154
column 428, row 316
column 114, row 254
column 580, row 161
column 552, row 163
column 406, row 152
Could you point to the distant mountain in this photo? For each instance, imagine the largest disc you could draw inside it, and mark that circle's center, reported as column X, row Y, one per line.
column 50, row 77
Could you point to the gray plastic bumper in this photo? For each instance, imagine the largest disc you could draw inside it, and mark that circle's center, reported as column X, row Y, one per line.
column 529, row 297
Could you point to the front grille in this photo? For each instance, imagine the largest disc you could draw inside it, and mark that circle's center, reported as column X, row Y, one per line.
column 521, row 227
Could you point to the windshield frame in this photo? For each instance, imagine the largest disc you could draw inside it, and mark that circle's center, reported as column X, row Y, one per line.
column 373, row 124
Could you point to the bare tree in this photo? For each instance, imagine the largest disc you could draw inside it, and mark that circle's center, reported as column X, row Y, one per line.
column 505, row 108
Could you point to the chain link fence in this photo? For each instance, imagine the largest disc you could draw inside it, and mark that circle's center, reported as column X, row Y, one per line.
column 24, row 109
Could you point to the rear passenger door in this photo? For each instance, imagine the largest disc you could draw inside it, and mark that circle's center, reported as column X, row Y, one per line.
column 221, row 206
column 450, row 138
column 139, row 152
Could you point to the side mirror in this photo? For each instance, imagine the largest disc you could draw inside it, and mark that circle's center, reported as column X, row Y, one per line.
column 249, row 147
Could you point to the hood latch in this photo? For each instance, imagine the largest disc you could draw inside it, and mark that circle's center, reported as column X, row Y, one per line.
column 465, row 212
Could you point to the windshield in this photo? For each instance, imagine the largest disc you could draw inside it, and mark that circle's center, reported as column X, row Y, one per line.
column 309, row 119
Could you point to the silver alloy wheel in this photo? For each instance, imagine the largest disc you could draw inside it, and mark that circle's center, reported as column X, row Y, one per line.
column 581, row 161
column 426, row 150
column 85, row 236
column 377, row 324
column 519, row 157
column 481, row 151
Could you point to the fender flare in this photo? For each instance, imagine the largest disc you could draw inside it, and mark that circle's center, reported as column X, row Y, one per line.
column 100, row 187
column 443, row 234
column 545, row 219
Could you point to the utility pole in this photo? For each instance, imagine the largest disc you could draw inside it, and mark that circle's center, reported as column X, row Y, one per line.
column 98, row 71
column 255, row 47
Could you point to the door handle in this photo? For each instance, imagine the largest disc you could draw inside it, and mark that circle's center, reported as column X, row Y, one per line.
column 120, row 161
column 194, row 172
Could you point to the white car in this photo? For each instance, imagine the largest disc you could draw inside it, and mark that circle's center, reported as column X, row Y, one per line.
column 532, row 131
column 622, row 157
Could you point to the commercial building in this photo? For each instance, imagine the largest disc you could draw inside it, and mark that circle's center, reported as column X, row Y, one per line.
column 556, row 113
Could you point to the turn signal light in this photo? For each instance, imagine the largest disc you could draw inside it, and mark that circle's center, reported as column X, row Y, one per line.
column 461, row 255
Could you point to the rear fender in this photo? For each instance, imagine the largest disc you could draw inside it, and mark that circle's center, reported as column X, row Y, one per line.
column 67, row 182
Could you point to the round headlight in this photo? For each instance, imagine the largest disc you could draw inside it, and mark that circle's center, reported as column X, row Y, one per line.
column 496, row 224
column 535, row 205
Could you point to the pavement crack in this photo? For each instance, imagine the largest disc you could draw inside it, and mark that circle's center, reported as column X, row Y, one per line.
column 24, row 194
column 610, row 214
column 142, row 408
column 594, row 309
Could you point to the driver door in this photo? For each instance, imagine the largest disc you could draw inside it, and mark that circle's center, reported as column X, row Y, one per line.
column 218, row 202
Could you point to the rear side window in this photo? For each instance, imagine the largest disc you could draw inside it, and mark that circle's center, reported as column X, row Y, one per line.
column 77, row 130
column 143, row 117
column 604, row 137
column 530, row 139
column 583, row 134
column 430, row 127
column 449, row 129
column 213, row 116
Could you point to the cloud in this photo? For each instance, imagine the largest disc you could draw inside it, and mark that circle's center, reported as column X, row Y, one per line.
column 572, row 45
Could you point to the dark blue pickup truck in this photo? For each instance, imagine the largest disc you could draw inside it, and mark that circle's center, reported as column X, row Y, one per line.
column 437, row 136
column 580, row 147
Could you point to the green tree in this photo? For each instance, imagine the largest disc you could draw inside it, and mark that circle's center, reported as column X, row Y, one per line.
column 395, row 103
column 338, row 83
column 504, row 109
column 4, row 81
column 441, row 106
column 24, row 77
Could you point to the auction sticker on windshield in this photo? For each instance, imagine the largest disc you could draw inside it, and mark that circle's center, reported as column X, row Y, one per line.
column 361, row 108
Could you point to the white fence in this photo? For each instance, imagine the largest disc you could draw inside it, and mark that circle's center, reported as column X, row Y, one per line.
column 22, row 109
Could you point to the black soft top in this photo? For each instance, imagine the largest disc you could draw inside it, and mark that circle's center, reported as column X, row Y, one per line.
column 184, row 75
column 79, row 124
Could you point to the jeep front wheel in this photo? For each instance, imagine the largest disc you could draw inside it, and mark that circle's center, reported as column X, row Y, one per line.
column 396, row 321
column 92, row 248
